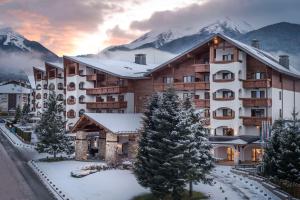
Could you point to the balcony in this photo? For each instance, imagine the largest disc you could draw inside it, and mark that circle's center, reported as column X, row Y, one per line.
column 182, row 86
column 92, row 77
column 201, row 68
column 202, row 103
column 71, row 101
column 256, row 102
column 257, row 83
column 254, row 121
column 231, row 115
column 107, row 105
column 106, row 90
column 218, row 79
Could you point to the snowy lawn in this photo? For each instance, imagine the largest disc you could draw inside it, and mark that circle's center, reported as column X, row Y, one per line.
column 122, row 185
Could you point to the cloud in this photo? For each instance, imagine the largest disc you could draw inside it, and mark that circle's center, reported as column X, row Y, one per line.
column 256, row 12
column 61, row 20
column 117, row 36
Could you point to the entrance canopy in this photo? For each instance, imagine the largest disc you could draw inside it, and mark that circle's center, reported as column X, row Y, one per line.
column 116, row 123
column 239, row 140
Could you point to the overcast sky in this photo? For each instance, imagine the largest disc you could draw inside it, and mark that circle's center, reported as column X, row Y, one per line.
column 87, row 26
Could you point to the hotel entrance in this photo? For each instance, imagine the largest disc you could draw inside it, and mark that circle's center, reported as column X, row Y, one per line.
column 256, row 154
column 230, row 154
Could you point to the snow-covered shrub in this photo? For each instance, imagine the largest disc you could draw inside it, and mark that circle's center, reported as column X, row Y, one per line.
column 89, row 169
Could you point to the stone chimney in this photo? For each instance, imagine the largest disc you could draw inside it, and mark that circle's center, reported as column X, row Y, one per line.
column 284, row 61
column 255, row 43
column 140, row 59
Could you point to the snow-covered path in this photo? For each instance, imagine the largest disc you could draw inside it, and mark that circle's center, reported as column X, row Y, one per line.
column 232, row 186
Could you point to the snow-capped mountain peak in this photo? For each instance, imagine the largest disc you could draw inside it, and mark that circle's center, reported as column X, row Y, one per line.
column 13, row 38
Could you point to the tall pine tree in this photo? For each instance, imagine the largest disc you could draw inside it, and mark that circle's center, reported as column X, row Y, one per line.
column 18, row 114
column 50, row 129
column 161, row 155
column 24, row 118
column 197, row 155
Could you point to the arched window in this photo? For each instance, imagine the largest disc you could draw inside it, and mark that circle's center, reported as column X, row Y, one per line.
column 51, row 86
column 223, row 95
column 81, row 85
column 45, row 105
column 37, row 105
column 71, row 86
column 223, row 113
column 45, row 86
column 71, row 114
column 60, row 97
column 38, row 87
column 81, row 99
column 223, row 76
column 71, row 100
column 38, row 96
column 45, row 96
column 81, row 112
column 224, row 131
column 60, row 86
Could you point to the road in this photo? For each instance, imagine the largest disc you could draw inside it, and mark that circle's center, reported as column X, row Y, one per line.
column 17, row 180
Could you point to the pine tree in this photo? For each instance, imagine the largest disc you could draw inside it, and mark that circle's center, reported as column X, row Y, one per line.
column 24, row 118
column 289, row 161
column 198, row 158
column 272, row 151
column 18, row 114
column 162, row 158
column 50, row 130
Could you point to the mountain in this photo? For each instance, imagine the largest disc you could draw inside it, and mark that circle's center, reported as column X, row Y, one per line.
column 176, row 40
column 283, row 36
column 13, row 42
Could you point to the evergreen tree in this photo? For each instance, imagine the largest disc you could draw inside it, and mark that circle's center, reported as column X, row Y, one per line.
column 50, row 130
column 289, row 161
column 24, row 119
column 163, row 161
column 197, row 155
column 272, row 151
column 18, row 114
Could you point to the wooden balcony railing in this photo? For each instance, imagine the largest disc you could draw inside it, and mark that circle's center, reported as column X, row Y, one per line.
column 202, row 103
column 182, row 86
column 220, row 117
column 223, row 98
column 199, row 68
column 106, row 105
column 254, row 121
column 71, row 88
column 92, row 77
column 253, row 83
column 106, row 90
column 256, row 102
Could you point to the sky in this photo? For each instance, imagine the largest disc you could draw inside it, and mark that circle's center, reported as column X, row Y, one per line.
column 73, row 27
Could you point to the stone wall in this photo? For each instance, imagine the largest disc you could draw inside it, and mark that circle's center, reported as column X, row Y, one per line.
column 111, row 148
column 81, row 146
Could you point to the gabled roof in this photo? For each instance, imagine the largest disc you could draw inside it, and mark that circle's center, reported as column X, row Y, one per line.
column 259, row 54
column 117, row 123
column 118, row 68
column 56, row 64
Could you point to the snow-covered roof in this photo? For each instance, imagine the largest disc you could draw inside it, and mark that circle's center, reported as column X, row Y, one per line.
column 241, row 139
column 118, row 123
column 56, row 64
column 236, row 141
column 118, row 68
column 14, row 89
column 259, row 54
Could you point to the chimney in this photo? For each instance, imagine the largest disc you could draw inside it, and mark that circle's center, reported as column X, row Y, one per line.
column 284, row 61
column 140, row 59
column 255, row 43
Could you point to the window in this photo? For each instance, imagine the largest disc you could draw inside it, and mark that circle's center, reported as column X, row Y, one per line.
column 258, row 94
column 60, row 86
column 81, row 99
column 45, row 86
column 280, row 95
column 71, row 86
column 206, row 77
column 121, row 98
column 257, row 112
column 259, row 75
column 45, row 105
column 168, row 80
column 72, row 70
column 60, row 97
column 51, row 87
column 52, row 73
column 81, row 112
column 110, row 98
column 189, row 79
column 45, row 96
column 38, row 87
column 206, row 95
column 228, row 57
column 81, row 85
column 228, row 132
column 71, row 114
column 227, row 94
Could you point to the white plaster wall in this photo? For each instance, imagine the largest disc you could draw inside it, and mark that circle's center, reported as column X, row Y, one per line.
column 129, row 97
column 221, row 52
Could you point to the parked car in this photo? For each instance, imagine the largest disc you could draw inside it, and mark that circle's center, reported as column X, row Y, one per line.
column 2, row 121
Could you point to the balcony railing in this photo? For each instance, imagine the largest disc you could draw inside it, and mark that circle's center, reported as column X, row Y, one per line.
column 182, row 86
column 217, row 79
column 202, row 103
column 199, row 68
column 222, row 117
column 254, row 83
column 106, row 105
column 92, row 77
column 254, row 121
column 106, row 90
column 256, row 102
column 223, row 98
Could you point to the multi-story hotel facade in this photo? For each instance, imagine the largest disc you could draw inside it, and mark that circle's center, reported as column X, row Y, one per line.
column 238, row 87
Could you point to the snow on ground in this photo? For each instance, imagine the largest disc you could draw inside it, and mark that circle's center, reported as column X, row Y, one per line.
column 122, row 185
